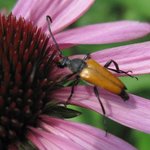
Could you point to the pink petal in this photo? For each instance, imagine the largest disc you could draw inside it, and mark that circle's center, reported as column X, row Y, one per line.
column 52, row 141
column 70, row 14
column 33, row 138
column 27, row 8
column 84, row 135
column 135, row 57
column 63, row 13
column 22, row 8
column 104, row 33
column 134, row 113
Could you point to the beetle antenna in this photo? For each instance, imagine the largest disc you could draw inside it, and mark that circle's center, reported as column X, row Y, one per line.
column 49, row 21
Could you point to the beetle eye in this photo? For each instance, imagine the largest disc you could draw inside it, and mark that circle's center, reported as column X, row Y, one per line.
column 60, row 64
column 63, row 62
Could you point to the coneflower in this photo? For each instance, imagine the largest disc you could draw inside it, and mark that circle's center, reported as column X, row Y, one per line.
column 32, row 111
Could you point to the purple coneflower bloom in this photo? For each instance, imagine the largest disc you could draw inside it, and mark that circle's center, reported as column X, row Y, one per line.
column 31, row 103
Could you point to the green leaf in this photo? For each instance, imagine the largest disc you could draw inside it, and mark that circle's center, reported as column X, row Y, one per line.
column 62, row 112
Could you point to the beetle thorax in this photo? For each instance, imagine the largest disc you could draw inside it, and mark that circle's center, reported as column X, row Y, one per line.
column 76, row 65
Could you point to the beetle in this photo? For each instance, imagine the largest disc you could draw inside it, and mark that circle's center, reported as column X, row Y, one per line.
column 93, row 73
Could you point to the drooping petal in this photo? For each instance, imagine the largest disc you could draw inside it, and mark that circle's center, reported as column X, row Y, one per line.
column 135, row 57
column 63, row 13
column 134, row 113
column 83, row 135
column 23, row 8
column 33, row 138
column 70, row 14
column 104, row 33
column 52, row 141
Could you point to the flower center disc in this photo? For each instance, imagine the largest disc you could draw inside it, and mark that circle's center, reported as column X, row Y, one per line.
column 25, row 67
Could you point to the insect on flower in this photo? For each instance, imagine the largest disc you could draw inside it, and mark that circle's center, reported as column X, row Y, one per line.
column 93, row 73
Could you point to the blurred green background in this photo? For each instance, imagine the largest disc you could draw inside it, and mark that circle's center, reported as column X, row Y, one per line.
column 105, row 11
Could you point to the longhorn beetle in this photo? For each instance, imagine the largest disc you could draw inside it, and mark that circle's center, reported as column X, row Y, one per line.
column 92, row 72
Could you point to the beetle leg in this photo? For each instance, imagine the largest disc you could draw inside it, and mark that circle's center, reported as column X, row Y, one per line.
column 68, row 76
column 65, row 79
column 103, row 109
column 75, row 82
column 117, row 68
column 97, row 95
column 87, row 56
